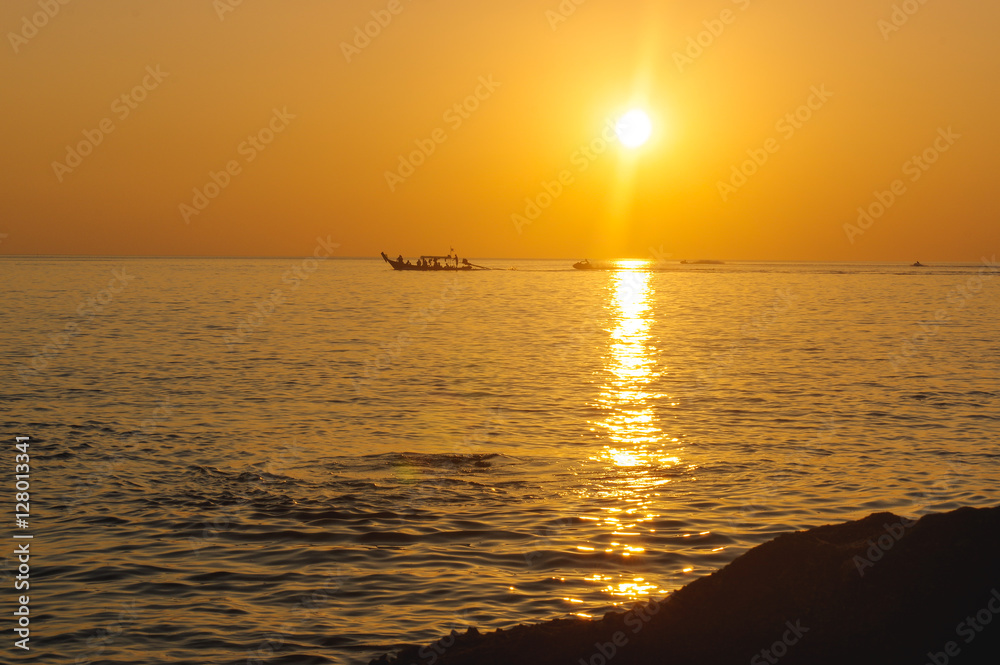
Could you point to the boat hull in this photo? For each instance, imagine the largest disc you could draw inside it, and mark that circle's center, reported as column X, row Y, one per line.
column 402, row 265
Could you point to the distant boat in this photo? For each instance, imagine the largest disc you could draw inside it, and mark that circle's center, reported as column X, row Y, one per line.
column 587, row 264
column 705, row 262
column 918, row 264
column 432, row 263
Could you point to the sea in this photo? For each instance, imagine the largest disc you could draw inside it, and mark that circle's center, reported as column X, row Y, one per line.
column 299, row 460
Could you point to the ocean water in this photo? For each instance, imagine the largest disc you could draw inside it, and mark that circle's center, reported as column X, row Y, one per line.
column 288, row 461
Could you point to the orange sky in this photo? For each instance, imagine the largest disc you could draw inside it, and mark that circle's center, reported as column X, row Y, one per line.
column 309, row 119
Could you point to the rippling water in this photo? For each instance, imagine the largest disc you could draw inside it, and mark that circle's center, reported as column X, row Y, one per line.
column 282, row 461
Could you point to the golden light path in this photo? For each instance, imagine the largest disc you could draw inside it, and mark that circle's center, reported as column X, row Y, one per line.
column 637, row 448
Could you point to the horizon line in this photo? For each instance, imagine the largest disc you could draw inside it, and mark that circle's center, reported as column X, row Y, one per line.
column 478, row 258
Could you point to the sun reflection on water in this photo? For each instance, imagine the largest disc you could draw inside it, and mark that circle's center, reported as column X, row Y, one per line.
column 637, row 451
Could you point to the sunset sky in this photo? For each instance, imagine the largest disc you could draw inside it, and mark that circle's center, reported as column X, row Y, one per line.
column 116, row 112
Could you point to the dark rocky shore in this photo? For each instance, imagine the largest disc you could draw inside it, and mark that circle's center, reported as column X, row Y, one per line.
column 880, row 590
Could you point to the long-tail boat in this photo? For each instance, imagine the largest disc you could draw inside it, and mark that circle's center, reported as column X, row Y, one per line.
column 432, row 263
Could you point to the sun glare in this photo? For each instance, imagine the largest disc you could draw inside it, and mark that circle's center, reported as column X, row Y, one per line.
column 633, row 128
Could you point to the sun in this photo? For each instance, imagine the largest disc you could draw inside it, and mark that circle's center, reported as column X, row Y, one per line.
column 633, row 128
